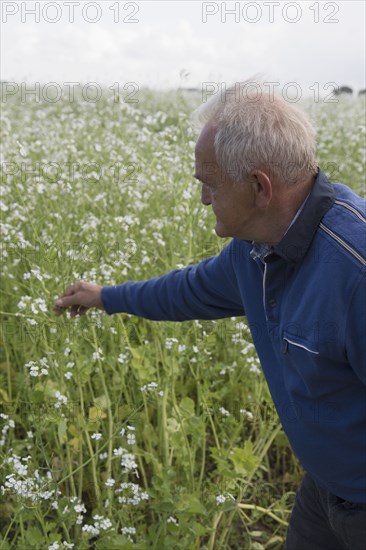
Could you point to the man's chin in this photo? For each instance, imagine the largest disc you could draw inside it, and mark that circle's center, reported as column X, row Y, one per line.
column 221, row 231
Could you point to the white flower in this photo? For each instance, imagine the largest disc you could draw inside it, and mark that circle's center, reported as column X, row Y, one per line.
column 119, row 451
column 68, row 375
column 102, row 523
column 110, row 482
column 172, row 520
column 224, row 412
column 254, row 368
column 122, row 357
column 151, row 387
column 128, row 462
column 80, row 508
column 169, row 342
column 247, row 413
column 220, row 499
column 128, row 530
column 90, row 529
column 32, row 321
column 61, row 400
column 96, row 436
column 23, row 302
column 131, row 439
column 98, row 355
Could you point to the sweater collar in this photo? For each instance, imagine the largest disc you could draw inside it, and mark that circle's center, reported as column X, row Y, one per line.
column 295, row 243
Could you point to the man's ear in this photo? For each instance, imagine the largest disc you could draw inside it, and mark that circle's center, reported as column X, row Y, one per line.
column 262, row 188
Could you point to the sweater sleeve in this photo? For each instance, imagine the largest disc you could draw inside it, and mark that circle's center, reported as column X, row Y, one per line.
column 207, row 290
column 356, row 330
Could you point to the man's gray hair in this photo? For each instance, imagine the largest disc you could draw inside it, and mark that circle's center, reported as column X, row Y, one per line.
column 258, row 130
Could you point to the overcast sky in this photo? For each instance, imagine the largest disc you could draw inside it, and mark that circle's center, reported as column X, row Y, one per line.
column 152, row 42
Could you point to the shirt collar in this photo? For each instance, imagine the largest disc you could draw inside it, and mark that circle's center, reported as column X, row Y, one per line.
column 300, row 232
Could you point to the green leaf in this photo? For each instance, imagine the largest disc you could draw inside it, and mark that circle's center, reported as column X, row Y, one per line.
column 243, row 459
column 102, row 402
column 34, row 536
column 274, row 541
column 38, row 396
column 118, row 542
column 228, row 505
column 95, row 414
column 281, row 440
column 191, row 505
column 61, row 429
column 186, row 407
column 172, row 425
column 199, row 529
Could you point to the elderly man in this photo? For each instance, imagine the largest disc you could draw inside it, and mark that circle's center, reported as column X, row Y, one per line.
column 296, row 268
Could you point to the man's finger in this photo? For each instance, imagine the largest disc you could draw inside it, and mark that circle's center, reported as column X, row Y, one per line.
column 67, row 301
column 72, row 289
column 69, row 291
column 58, row 310
column 74, row 310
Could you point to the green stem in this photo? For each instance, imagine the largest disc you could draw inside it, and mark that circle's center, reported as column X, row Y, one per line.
column 69, row 466
column 191, row 469
column 215, row 524
column 80, row 477
column 264, row 450
column 8, row 372
column 264, row 510
column 110, row 419
column 91, row 453
column 8, row 529
column 163, row 427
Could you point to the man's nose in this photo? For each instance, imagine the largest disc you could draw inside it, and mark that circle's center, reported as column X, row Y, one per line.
column 205, row 195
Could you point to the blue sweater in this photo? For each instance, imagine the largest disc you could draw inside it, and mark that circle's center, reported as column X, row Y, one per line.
column 306, row 307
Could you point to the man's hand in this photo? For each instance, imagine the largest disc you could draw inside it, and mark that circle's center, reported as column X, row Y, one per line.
column 80, row 297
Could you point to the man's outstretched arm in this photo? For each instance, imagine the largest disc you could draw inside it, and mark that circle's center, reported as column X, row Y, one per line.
column 207, row 290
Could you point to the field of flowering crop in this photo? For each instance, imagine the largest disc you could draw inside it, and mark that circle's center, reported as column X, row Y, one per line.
column 115, row 431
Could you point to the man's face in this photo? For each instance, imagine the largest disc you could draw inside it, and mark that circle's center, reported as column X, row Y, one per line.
column 232, row 204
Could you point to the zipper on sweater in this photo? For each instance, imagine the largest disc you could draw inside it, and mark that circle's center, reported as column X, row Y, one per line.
column 297, row 344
